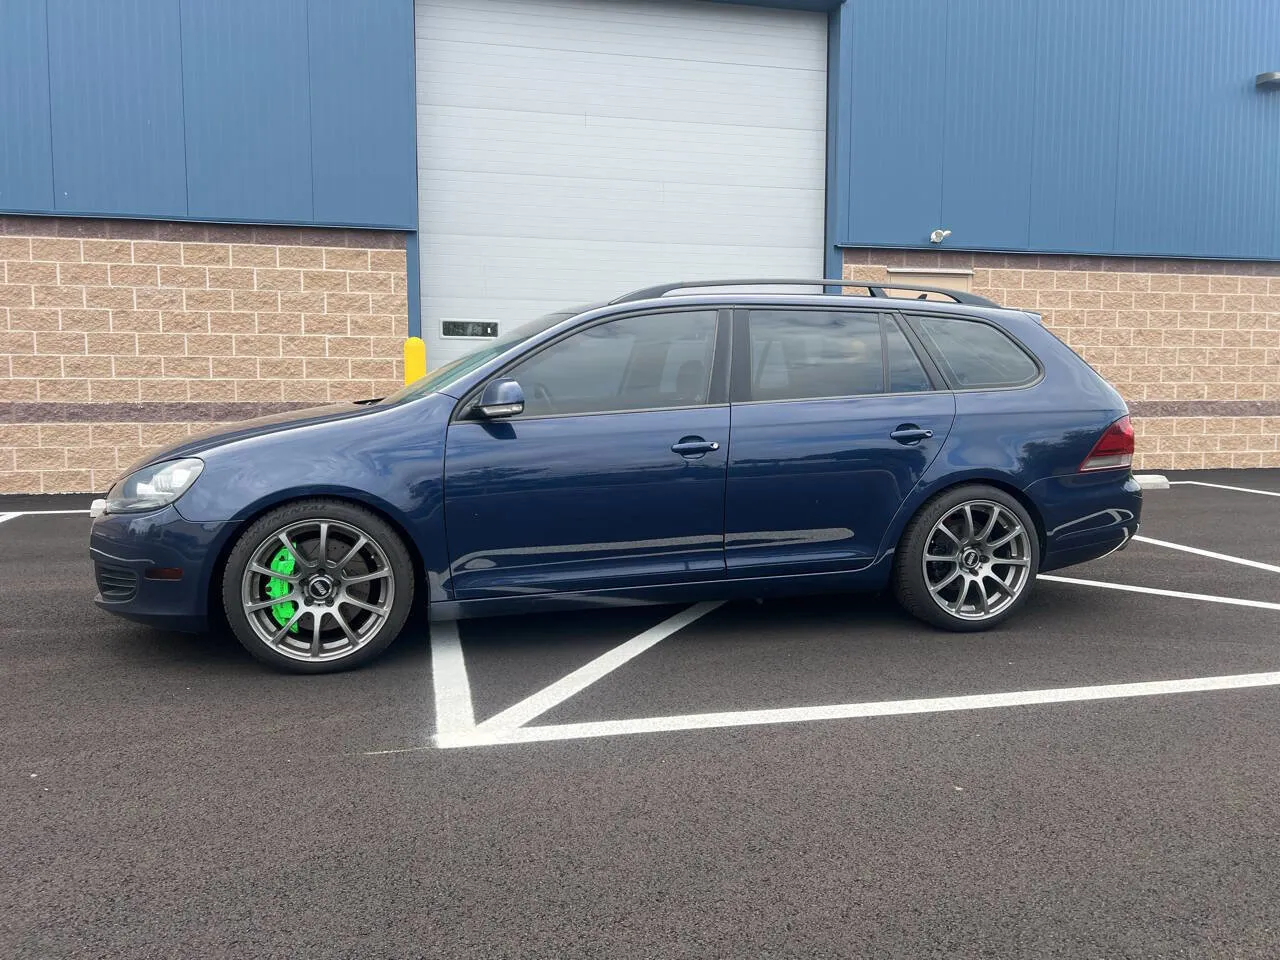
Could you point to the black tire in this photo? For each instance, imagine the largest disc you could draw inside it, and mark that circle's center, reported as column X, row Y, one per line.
column 386, row 583
column 949, row 609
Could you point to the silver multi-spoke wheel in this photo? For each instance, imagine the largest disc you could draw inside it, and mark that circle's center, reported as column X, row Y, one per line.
column 317, row 590
column 977, row 560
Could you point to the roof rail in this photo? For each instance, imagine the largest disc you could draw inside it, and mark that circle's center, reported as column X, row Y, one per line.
column 873, row 289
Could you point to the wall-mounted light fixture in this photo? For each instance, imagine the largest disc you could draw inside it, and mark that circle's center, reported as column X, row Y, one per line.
column 1267, row 81
column 939, row 235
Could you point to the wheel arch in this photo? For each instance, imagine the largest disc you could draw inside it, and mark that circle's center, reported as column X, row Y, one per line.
column 926, row 496
column 252, row 514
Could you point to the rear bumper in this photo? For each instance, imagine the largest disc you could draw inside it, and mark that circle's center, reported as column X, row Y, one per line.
column 1086, row 516
column 126, row 547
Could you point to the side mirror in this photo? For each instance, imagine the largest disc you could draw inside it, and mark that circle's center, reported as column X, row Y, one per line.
column 501, row 398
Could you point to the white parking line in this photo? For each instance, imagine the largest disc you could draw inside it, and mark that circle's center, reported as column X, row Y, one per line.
column 846, row 711
column 1223, row 486
column 1155, row 591
column 1209, row 553
column 36, row 513
column 454, row 710
column 456, row 725
column 560, row 691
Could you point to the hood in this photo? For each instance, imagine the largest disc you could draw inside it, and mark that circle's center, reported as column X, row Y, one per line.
column 274, row 423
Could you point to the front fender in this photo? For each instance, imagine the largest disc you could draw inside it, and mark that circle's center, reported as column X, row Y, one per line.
column 391, row 461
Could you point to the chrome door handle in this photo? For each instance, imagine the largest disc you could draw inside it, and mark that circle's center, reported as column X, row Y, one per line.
column 694, row 447
column 910, row 433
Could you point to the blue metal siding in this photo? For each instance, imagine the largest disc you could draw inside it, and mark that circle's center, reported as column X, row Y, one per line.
column 1073, row 162
column 987, row 134
column 26, row 157
column 248, row 122
column 1199, row 144
column 362, row 111
column 897, row 99
column 116, row 107
column 272, row 111
column 1092, row 126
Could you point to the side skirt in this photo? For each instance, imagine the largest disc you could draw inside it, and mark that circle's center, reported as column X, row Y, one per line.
column 873, row 577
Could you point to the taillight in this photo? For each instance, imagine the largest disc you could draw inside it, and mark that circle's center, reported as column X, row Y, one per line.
column 1113, row 449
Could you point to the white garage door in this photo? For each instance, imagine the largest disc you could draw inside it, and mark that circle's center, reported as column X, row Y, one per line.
column 570, row 150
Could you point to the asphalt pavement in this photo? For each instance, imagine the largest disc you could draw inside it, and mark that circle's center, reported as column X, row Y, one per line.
column 165, row 795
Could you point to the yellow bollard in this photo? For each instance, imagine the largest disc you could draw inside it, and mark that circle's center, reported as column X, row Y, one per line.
column 415, row 359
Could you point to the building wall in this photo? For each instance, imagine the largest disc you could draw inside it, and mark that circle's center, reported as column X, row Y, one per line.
column 1078, row 126
column 295, row 111
column 1193, row 346
column 117, row 336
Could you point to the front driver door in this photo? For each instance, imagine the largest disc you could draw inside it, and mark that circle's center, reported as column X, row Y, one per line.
column 584, row 490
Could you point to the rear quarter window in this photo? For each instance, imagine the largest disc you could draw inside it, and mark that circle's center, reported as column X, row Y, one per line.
column 976, row 355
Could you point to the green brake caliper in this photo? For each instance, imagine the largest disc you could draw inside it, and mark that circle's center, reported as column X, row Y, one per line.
column 282, row 562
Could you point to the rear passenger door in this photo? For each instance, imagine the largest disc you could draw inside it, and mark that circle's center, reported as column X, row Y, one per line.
column 835, row 419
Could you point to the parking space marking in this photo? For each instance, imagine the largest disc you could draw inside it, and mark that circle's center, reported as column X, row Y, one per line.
column 456, row 727
column 845, row 711
column 37, row 513
column 1156, row 591
column 454, row 710
column 532, row 707
column 1223, row 486
column 1209, row 553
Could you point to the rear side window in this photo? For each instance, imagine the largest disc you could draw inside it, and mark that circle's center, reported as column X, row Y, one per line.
column 977, row 355
column 816, row 354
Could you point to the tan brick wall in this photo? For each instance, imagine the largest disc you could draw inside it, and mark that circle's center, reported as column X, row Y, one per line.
column 212, row 322
column 1193, row 346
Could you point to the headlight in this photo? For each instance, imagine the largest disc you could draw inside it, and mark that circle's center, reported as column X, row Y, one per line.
column 153, row 487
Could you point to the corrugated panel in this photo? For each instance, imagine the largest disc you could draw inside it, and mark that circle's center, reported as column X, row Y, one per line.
column 26, row 157
column 989, row 121
column 897, row 102
column 1199, row 174
column 569, row 150
column 93, row 118
column 116, row 97
column 362, row 112
column 1077, row 115
column 1093, row 126
column 248, row 117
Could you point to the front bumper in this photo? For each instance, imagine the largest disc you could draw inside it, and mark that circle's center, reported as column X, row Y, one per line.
column 135, row 557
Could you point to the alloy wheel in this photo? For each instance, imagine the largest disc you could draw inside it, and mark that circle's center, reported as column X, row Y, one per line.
column 977, row 560
column 317, row 590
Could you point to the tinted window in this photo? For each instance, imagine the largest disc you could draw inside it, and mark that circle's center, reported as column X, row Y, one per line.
column 906, row 374
column 976, row 354
column 810, row 354
column 638, row 363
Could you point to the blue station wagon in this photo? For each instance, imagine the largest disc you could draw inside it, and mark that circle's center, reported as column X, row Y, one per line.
column 682, row 442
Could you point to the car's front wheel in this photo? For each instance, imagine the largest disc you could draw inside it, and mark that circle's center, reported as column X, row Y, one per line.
column 317, row 585
column 968, row 559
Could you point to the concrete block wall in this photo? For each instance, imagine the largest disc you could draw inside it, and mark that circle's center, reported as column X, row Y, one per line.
column 120, row 336
column 1192, row 345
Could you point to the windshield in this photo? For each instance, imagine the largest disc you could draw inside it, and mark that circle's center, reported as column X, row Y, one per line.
column 442, row 376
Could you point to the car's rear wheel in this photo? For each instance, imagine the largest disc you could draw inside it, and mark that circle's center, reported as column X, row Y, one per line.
column 968, row 559
column 317, row 586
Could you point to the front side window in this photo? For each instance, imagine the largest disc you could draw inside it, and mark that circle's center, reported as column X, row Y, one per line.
column 976, row 355
column 644, row 362
column 814, row 354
